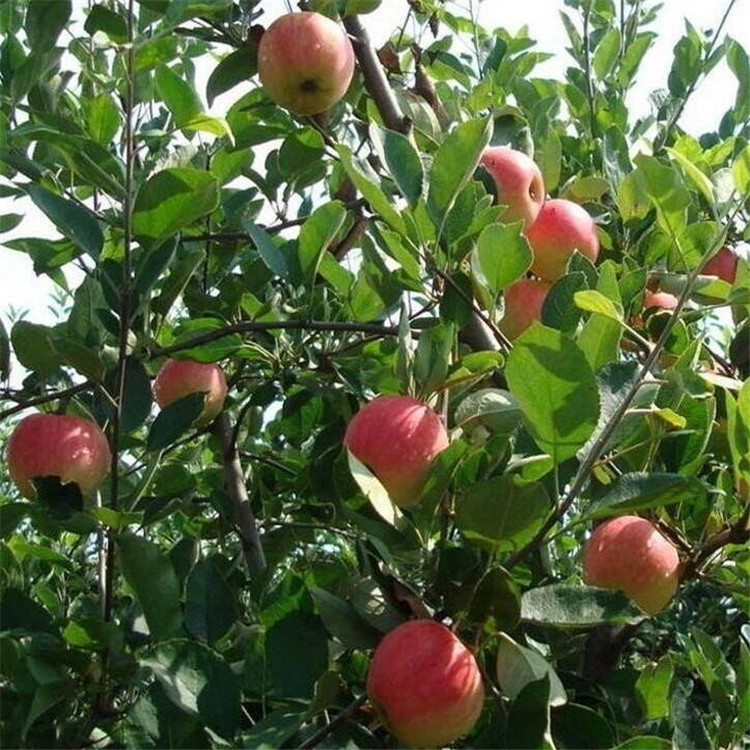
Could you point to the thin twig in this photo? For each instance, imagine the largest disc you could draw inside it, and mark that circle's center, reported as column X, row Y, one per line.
column 38, row 400
column 323, row 732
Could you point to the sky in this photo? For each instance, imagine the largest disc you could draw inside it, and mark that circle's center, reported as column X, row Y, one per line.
column 20, row 288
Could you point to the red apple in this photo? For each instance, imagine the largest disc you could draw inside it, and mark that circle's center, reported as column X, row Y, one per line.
column 178, row 378
column 58, row 445
column 664, row 300
column 425, row 684
column 397, row 437
column 523, row 305
column 518, row 181
column 305, row 62
column 723, row 265
column 561, row 227
column 629, row 554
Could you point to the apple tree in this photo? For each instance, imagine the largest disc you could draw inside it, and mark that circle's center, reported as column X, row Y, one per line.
column 392, row 395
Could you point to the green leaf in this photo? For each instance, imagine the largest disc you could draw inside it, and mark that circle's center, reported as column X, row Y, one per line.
column 45, row 697
column 173, row 199
column 9, row 222
column 209, row 603
column 150, row 574
column 689, row 730
column 549, row 159
column 45, row 20
column 565, row 606
column 433, row 356
column 240, row 65
column 549, row 376
column 700, row 181
column 174, row 420
column 559, row 310
column 516, row 666
column 297, row 653
column 102, row 118
column 607, row 52
column 529, row 718
column 199, row 682
column 398, row 154
column 741, row 172
column 592, row 301
column 276, row 729
column 22, row 615
column 179, row 96
column 645, row 743
column 493, row 408
column 101, row 18
column 73, row 220
column 502, row 513
column 664, row 187
column 496, row 603
column 33, row 348
column 117, row 519
column 374, row 491
column 316, row 235
column 454, row 164
column 641, row 490
column 4, row 353
column 501, row 256
column 367, row 182
column 343, row 621
column 579, row 726
column 272, row 255
column 652, row 688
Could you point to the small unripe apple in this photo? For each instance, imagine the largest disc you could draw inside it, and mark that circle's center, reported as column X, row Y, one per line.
column 723, row 265
column 524, row 301
column 629, row 554
column 663, row 300
column 561, row 227
column 518, row 181
column 425, row 684
column 178, row 378
column 397, row 437
column 58, row 445
column 305, row 62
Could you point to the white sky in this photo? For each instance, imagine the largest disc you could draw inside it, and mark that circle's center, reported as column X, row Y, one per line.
column 20, row 288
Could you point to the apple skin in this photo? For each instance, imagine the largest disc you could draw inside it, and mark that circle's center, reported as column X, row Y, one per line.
column 664, row 300
column 305, row 62
column 723, row 265
column 181, row 377
column 58, row 445
column 561, row 227
column 523, row 305
column 425, row 684
column 397, row 437
column 518, row 181
column 629, row 554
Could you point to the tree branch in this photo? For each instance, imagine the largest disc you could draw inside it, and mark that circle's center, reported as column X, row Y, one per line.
column 37, row 400
column 315, row 739
column 375, row 80
column 250, row 326
column 237, row 491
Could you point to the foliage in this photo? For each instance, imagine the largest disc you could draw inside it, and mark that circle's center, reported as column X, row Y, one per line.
column 324, row 260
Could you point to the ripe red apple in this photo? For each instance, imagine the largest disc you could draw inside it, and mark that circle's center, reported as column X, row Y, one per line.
column 723, row 265
column 58, row 445
column 518, row 181
column 397, row 437
column 561, row 227
column 305, row 62
column 629, row 554
column 664, row 300
column 523, row 305
column 178, row 378
column 425, row 684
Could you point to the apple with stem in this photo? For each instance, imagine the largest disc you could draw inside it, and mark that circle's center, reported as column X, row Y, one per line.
column 524, row 301
column 305, row 62
column 178, row 378
column 397, row 438
column 518, row 182
column 561, row 228
column 628, row 553
column 425, row 684
column 73, row 449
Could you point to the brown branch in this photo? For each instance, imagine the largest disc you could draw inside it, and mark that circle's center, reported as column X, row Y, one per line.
column 349, row 242
column 37, row 400
column 237, row 491
column 375, row 80
column 250, row 326
column 424, row 87
column 323, row 732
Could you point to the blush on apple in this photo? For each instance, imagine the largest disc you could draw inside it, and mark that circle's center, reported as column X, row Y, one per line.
column 305, row 62
column 58, row 445
column 425, row 684
column 178, row 378
column 397, row 437
column 629, row 554
column 662, row 300
column 561, row 228
column 723, row 265
column 518, row 182
column 524, row 301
